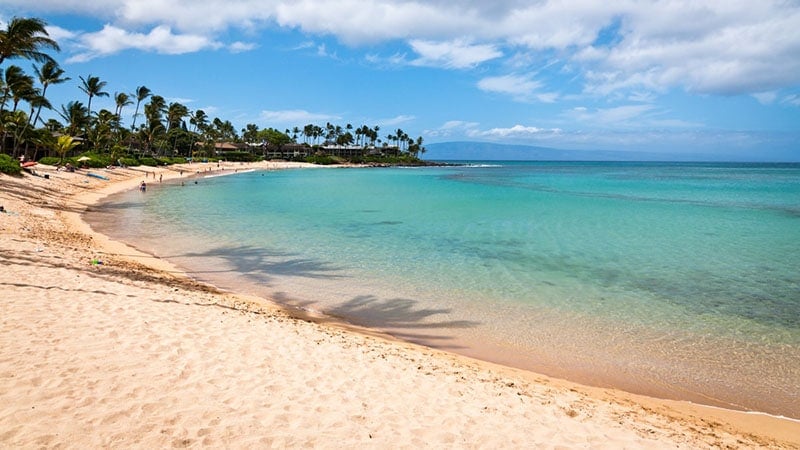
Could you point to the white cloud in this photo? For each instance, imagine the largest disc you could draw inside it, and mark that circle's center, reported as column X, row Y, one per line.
column 729, row 47
column 519, row 87
column 183, row 101
column 395, row 120
column 765, row 98
column 60, row 34
column 516, row 85
column 457, row 124
column 160, row 39
column 295, row 117
column 621, row 115
column 452, row 128
column 724, row 47
column 239, row 46
column 626, row 117
column 458, row 129
column 516, row 132
column 456, row 54
column 793, row 99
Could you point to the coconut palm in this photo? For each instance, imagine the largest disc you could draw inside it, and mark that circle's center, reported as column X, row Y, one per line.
column 175, row 114
column 373, row 136
column 26, row 38
column 37, row 102
column 76, row 115
column 142, row 92
column 93, row 87
column 63, row 145
column 154, row 115
column 17, row 86
column 15, row 124
column 48, row 74
column 122, row 100
column 154, row 111
column 199, row 120
column 105, row 124
column 11, row 80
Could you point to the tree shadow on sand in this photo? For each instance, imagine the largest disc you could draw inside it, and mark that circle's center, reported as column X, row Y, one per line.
column 257, row 264
column 403, row 318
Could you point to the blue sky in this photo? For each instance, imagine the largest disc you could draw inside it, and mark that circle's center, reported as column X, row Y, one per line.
column 680, row 77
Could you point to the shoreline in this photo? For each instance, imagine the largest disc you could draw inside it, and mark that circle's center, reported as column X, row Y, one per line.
column 703, row 425
column 583, row 357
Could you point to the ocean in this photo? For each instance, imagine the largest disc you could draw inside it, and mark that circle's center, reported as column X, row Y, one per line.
column 677, row 280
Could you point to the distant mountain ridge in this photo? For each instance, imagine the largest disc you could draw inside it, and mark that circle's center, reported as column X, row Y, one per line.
column 487, row 151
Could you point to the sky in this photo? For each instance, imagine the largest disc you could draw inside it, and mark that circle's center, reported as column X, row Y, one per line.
column 679, row 77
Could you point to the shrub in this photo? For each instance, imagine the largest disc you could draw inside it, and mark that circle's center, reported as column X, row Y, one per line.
column 9, row 165
column 129, row 161
column 152, row 162
column 95, row 160
column 50, row 160
column 174, row 160
column 239, row 156
column 323, row 160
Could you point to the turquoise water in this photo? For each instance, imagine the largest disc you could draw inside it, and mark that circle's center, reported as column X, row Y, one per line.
column 675, row 280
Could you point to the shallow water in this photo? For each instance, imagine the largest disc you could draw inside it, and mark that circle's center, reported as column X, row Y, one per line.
column 675, row 280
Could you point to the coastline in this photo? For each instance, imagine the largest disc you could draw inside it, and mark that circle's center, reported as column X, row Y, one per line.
column 367, row 388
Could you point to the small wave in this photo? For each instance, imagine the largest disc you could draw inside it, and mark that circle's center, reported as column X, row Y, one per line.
column 229, row 173
column 482, row 165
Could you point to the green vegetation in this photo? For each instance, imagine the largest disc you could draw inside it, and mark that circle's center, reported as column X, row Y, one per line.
column 9, row 165
column 160, row 132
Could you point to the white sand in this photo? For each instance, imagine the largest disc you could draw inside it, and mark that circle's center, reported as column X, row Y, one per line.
column 123, row 355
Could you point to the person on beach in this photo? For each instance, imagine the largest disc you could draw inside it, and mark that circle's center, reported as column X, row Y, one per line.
column 160, row 177
column 143, row 186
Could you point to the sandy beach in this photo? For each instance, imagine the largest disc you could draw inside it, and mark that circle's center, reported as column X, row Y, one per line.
column 103, row 346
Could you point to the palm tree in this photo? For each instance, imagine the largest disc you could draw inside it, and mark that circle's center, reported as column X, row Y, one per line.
column 25, row 38
column 105, row 124
column 76, row 115
column 200, row 121
column 37, row 102
column 64, row 145
column 11, row 78
column 16, row 86
column 154, row 114
column 122, row 100
column 93, row 87
column 400, row 136
column 16, row 123
column 154, row 111
column 48, row 74
column 175, row 114
column 142, row 92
